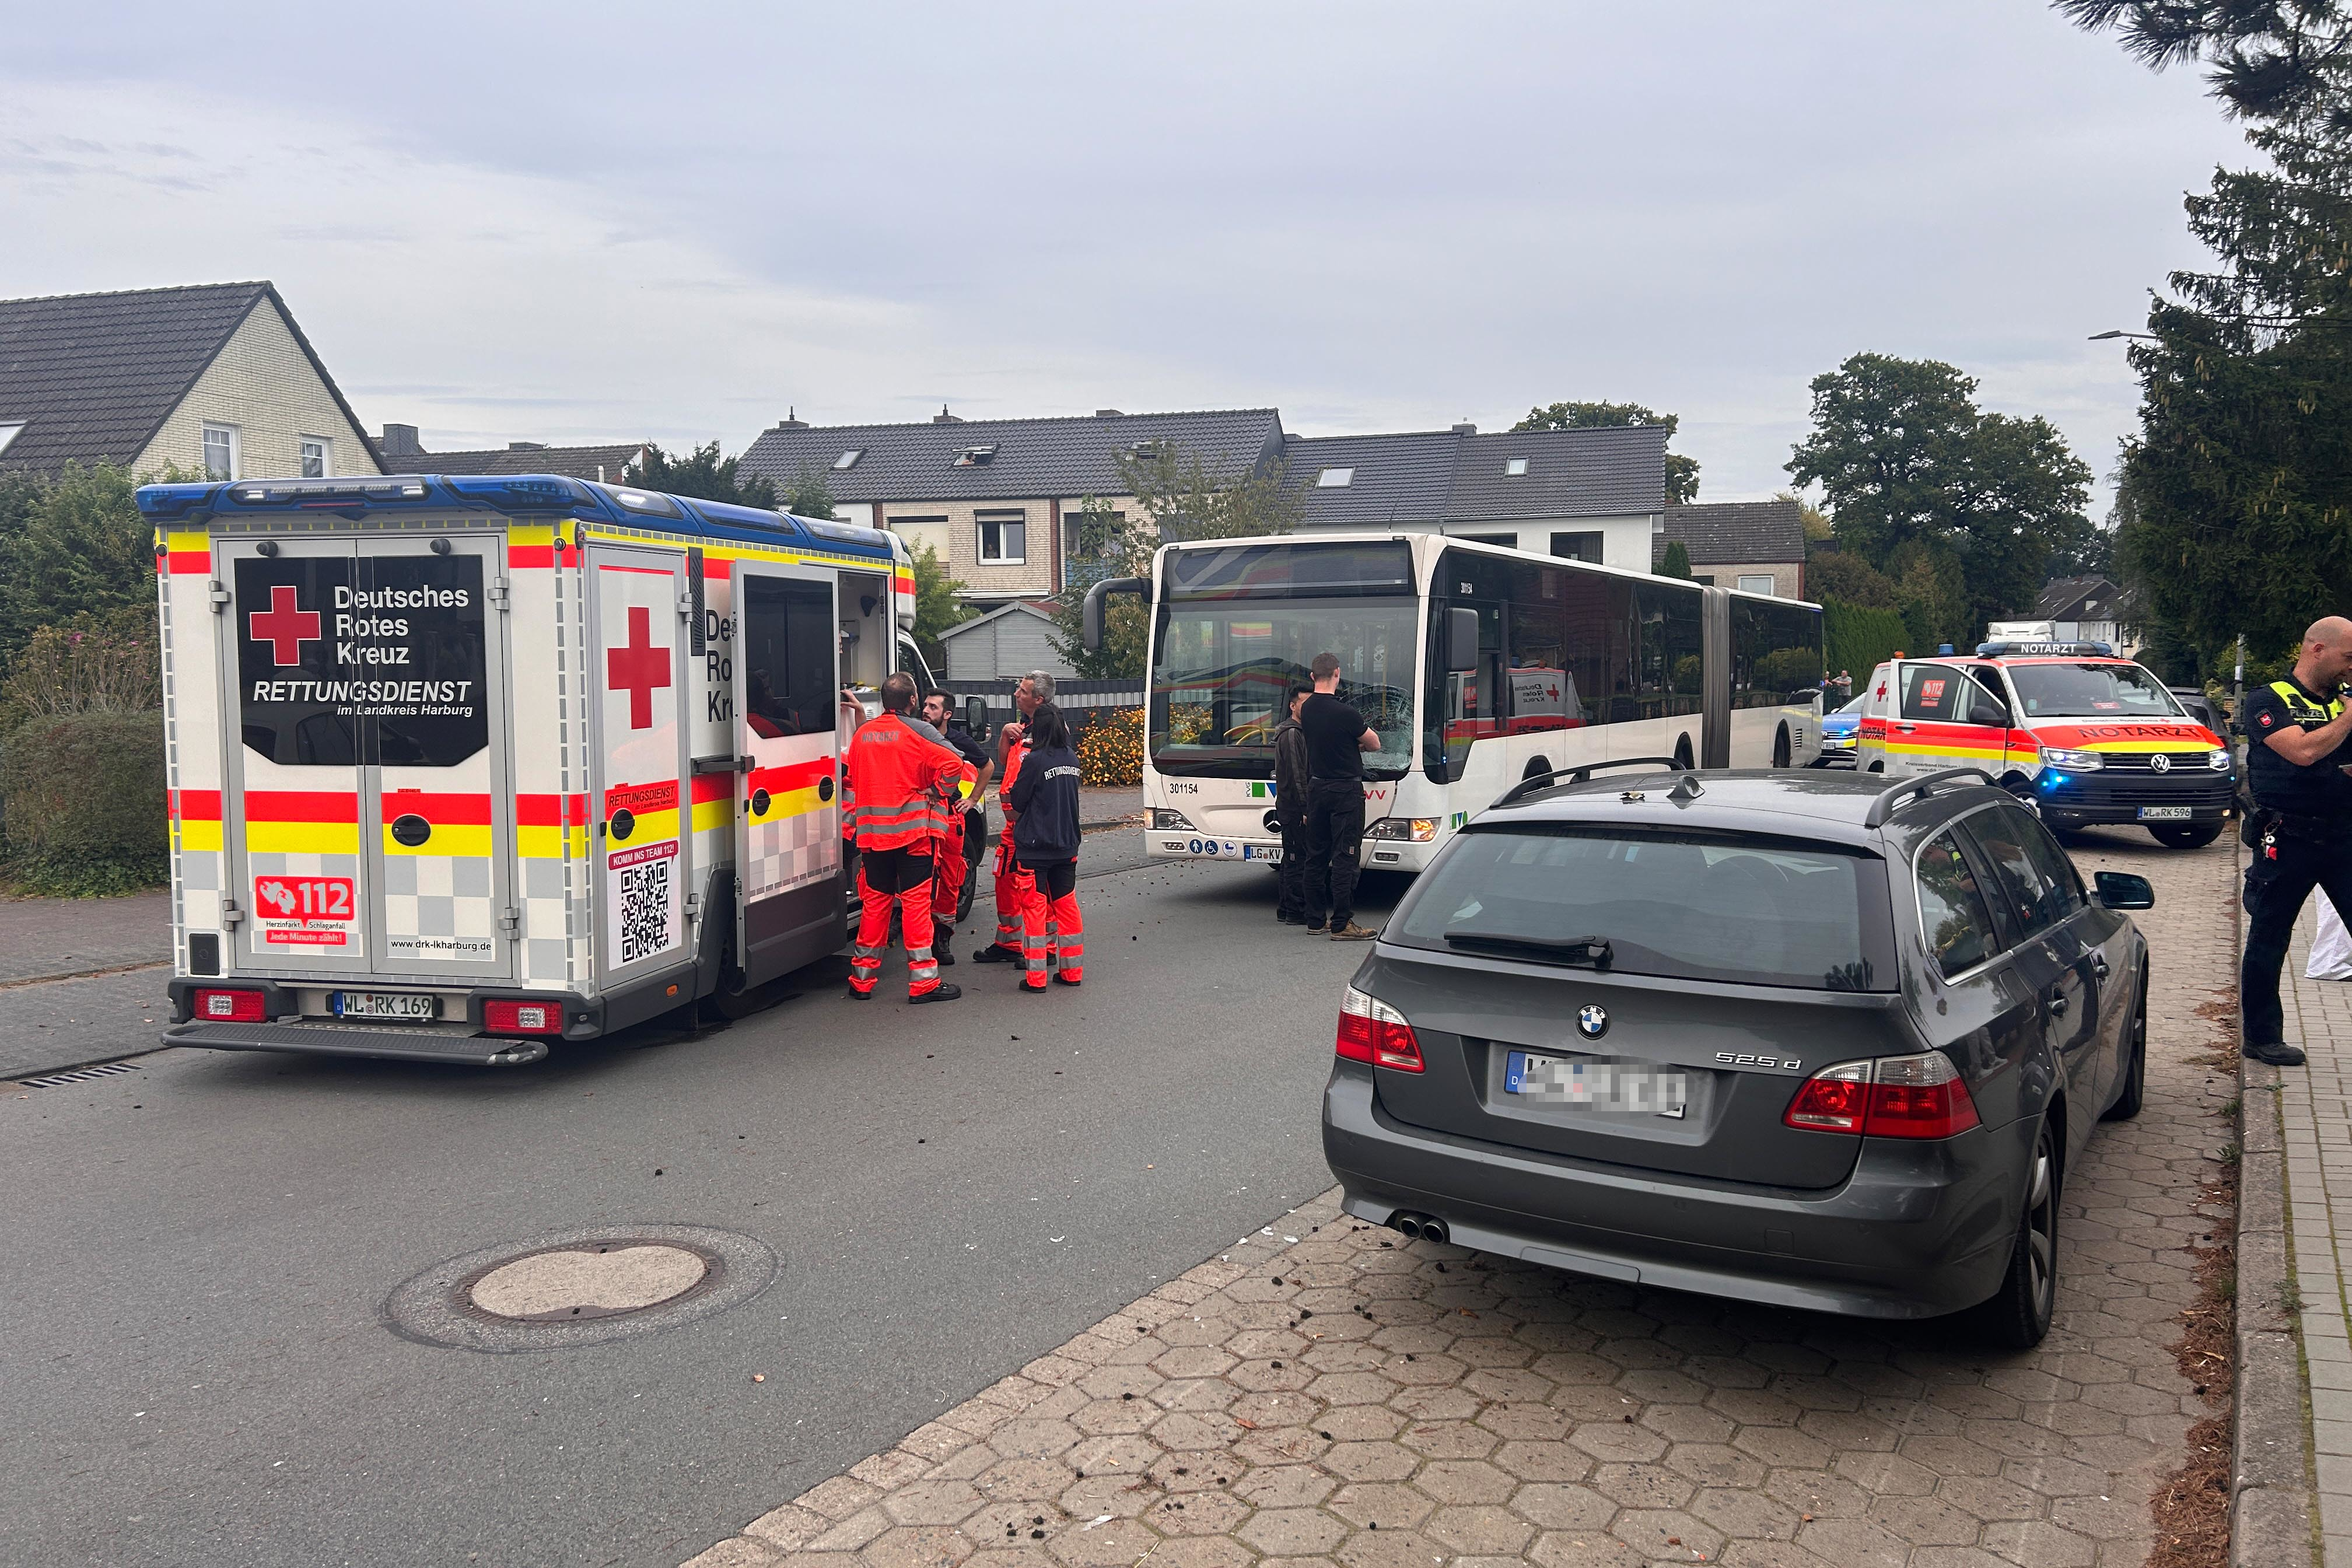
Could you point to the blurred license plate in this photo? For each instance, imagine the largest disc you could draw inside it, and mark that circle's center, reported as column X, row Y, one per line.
column 1270, row 853
column 411, row 1005
column 2164, row 814
column 1627, row 1088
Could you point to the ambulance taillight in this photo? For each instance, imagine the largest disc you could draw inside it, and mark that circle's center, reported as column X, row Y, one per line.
column 230, row 1006
column 523, row 1017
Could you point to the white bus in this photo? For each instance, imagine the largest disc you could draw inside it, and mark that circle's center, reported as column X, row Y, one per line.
column 1477, row 667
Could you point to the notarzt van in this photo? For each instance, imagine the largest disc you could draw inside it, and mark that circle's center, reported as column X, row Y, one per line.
column 2082, row 736
column 459, row 767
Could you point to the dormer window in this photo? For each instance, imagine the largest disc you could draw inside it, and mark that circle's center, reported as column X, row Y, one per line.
column 976, row 457
column 848, row 459
column 1515, row 468
column 1335, row 478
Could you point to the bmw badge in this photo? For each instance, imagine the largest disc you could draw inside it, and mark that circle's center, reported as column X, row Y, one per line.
column 1592, row 1022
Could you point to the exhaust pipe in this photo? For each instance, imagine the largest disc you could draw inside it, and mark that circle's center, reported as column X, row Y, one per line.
column 1419, row 1226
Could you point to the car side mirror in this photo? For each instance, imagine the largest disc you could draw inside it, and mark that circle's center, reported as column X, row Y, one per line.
column 1987, row 711
column 2123, row 891
column 1460, row 641
column 975, row 715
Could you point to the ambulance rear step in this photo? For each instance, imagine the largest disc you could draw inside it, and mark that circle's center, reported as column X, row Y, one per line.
column 351, row 1040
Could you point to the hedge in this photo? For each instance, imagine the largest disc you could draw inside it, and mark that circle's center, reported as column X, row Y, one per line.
column 81, row 803
column 1858, row 640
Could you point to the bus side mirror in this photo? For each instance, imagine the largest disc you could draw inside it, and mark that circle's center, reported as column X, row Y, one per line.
column 1460, row 641
column 975, row 715
column 1091, row 629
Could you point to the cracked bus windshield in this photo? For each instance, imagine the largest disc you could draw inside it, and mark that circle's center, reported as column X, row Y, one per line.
column 1224, row 673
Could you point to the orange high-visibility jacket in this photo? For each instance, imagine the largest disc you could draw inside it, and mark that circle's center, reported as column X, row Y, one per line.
column 1013, row 755
column 900, row 782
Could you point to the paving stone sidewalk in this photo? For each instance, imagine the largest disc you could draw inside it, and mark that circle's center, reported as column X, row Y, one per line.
column 2316, row 1107
column 1328, row 1393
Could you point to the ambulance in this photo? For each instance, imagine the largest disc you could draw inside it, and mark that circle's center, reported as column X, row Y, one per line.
column 2082, row 737
column 463, row 767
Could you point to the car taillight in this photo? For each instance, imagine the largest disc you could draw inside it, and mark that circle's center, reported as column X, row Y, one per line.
column 523, row 1017
column 230, row 1006
column 1893, row 1097
column 1372, row 1031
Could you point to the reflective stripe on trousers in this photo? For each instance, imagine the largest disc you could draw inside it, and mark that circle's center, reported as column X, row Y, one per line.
column 874, row 937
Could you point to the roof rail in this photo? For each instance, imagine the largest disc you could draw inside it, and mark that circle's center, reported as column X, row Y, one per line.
column 1883, row 806
column 1579, row 774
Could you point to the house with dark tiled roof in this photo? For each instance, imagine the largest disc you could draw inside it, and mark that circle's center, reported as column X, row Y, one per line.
column 1589, row 495
column 1007, row 503
column 405, row 454
column 212, row 377
column 1755, row 545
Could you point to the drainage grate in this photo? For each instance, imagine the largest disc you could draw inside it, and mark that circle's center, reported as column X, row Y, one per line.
column 80, row 1075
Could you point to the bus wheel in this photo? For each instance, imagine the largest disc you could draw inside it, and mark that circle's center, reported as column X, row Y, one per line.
column 1683, row 752
column 1537, row 766
column 1781, row 748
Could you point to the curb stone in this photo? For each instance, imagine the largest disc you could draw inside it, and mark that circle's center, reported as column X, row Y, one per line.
column 2270, row 1481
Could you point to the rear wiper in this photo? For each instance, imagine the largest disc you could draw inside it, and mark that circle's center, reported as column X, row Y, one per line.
column 1592, row 950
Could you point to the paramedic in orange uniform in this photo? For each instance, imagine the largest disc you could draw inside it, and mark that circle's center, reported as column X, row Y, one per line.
column 903, row 782
column 1011, row 881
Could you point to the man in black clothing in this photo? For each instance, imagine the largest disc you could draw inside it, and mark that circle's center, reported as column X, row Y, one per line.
column 1291, row 777
column 939, row 712
column 1336, row 739
column 2301, row 829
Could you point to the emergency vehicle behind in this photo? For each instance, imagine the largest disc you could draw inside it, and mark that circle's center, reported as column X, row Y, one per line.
column 460, row 766
column 2083, row 737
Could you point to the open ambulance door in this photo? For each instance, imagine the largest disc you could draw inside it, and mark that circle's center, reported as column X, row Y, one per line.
column 786, row 683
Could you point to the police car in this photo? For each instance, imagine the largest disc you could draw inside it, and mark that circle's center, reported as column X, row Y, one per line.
column 2081, row 735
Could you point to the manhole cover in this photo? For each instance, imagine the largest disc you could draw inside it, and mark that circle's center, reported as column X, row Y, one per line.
column 578, row 1288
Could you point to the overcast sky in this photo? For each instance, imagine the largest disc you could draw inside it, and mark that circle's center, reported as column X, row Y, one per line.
column 560, row 223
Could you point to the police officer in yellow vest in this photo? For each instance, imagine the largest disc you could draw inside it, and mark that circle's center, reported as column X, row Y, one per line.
column 2297, row 732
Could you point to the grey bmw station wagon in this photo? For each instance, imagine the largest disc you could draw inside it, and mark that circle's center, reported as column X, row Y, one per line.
column 1799, row 1039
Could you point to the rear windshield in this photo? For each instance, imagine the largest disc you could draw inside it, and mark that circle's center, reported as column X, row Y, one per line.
column 1743, row 910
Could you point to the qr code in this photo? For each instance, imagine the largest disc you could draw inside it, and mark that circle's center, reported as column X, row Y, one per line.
column 644, row 909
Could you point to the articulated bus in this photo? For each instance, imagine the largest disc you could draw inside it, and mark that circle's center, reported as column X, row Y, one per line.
column 1477, row 666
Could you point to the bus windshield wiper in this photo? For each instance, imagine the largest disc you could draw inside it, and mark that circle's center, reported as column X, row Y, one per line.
column 1592, row 950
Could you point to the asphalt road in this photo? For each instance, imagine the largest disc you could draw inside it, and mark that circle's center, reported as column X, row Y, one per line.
column 196, row 1254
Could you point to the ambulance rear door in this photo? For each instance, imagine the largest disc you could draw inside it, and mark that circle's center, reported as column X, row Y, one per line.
column 365, row 817
column 786, row 689
column 637, row 607
column 438, row 826
column 292, row 805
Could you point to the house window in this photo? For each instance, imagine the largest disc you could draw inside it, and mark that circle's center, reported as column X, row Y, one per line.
column 9, row 431
column 1515, row 468
column 1583, row 546
column 1090, row 546
column 975, row 456
column 848, row 459
column 1756, row 582
column 316, row 460
column 1003, row 538
column 1335, row 478
column 220, row 451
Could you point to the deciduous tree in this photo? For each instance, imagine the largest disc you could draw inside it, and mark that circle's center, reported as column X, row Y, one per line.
column 703, row 474
column 1904, row 457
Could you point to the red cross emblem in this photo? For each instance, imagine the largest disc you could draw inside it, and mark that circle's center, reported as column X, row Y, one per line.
column 637, row 669
column 286, row 625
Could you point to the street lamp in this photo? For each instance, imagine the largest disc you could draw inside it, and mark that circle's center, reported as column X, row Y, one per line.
column 2119, row 333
